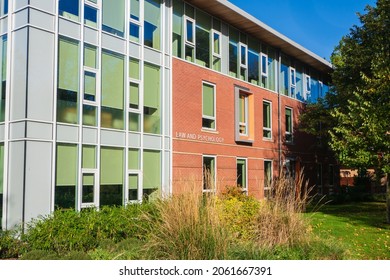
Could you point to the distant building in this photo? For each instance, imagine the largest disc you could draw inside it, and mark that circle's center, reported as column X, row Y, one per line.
column 108, row 102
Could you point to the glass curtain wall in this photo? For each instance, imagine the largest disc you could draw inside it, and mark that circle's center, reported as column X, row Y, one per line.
column 1, row 181
column 3, row 74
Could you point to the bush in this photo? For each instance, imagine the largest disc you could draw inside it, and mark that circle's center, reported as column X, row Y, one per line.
column 50, row 255
column 66, row 231
column 10, row 246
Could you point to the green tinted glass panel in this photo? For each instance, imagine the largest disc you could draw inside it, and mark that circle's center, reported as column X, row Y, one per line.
column 88, row 188
column 89, row 157
column 114, row 16
column 90, row 56
column 241, row 173
column 266, row 115
column 134, row 96
column 134, row 69
column 112, row 80
column 134, row 9
column 68, row 65
column 133, row 187
column 1, row 169
column 134, row 122
column 152, row 170
column 208, row 100
column 90, row 83
column 66, row 165
column 111, row 166
column 152, row 23
column 133, row 163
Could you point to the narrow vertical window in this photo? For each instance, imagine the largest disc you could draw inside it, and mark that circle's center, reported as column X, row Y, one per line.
column 267, row 178
column 202, row 41
column 3, row 7
column 264, row 65
column 69, row 9
column 133, row 174
column 90, row 86
column 134, row 25
column 267, row 120
column 112, row 109
column 152, row 23
column 66, row 176
column 3, row 75
column 289, row 125
column 134, row 95
column 68, row 81
column 113, row 17
column 189, row 39
column 243, row 114
column 233, row 52
column 151, row 173
column 90, row 16
column 307, row 92
column 177, row 28
column 111, row 176
column 208, row 96
column 152, row 99
column 242, row 174
column 209, row 174
column 293, row 82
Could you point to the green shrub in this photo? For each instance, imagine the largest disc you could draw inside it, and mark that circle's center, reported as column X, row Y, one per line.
column 65, row 231
column 50, row 255
column 10, row 246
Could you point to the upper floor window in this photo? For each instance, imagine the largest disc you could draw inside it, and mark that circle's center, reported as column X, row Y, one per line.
column 244, row 111
column 3, row 7
column 208, row 102
column 69, row 9
column 264, row 65
column 114, row 17
column 307, row 88
column 293, row 82
column 267, row 121
column 152, row 24
column 90, row 16
column 134, row 25
column 243, row 114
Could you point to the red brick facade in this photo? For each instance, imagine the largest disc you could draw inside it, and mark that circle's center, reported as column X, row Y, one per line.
column 190, row 141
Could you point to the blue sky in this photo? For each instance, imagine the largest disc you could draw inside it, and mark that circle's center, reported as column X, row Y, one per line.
column 317, row 25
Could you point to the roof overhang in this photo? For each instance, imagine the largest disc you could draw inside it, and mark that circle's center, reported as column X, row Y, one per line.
column 245, row 22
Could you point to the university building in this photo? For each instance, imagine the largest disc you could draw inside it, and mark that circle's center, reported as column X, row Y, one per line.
column 112, row 102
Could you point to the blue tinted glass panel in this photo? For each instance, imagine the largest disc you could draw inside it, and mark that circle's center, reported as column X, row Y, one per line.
column 90, row 16
column 68, row 7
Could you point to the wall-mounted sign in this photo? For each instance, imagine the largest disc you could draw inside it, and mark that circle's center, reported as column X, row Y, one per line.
column 200, row 137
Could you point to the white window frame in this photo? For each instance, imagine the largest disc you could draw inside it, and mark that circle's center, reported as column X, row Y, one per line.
column 270, row 115
column 213, row 118
column 97, row 8
column 139, row 190
column 264, row 72
column 215, row 54
column 307, row 86
column 95, row 202
column 186, row 19
column 246, row 115
column 269, row 187
column 245, row 190
column 293, row 81
column 212, row 190
column 243, row 46
column 290, row 133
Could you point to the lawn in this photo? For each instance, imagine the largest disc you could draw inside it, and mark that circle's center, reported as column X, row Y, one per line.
column 360, row 228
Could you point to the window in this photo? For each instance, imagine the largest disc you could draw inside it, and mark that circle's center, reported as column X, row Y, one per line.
column 151, row 173
column 69, row 9
column 3, row 9
column 111, row 176
column 209, row 184
column 68, row 81
column 113, row 17
column 233, row 52
column 90, row 16
column 90, row 86
column 289, row 167
column 152, row 23
column 202, row 38
column 134, row 175
column 134, row 95
column 216, row 49
column 284, row 76
column 253, row 61
column 244, row 108
column 3, row 75
column 134, row 25
column 319, row 177
column 112, row 103
column 293, row 82
column 264, row 65
column 189, row 39
column 307, row 89
column 243, row 114
column 66, row 176
column 152, row 99
column 267, row 120
column 242, row 174
column 267, row 178
column 289, row 125
column 177, row 27
column 208, row 96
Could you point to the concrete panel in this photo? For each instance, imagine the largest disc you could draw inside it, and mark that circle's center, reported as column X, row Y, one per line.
column 152, row 142
column 17, row 130
column 48, row 6
column 3, row 25
column 167, row 61
column 69, row 28
column 41, row 19
column 91, row 36
column 152, row 56
column 113, row 43
column 2, row 132
column 67, row 133
column 37, row 130
column 38, row 188
column 15, row 195
column 90, row 136
column 135, row 50
column 134, row 140
column 40, row 75
column 20, row 4
column 112, row 138
column 19, row 75
column 167, row 143
column 20, row 18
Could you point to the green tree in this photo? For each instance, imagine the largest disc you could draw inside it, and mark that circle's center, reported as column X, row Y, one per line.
column 355, row 115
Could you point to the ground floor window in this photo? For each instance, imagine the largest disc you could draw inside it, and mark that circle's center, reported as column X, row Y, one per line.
column 242, row 173
column 151, row 173
column 209, row 173
column 267, row 178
